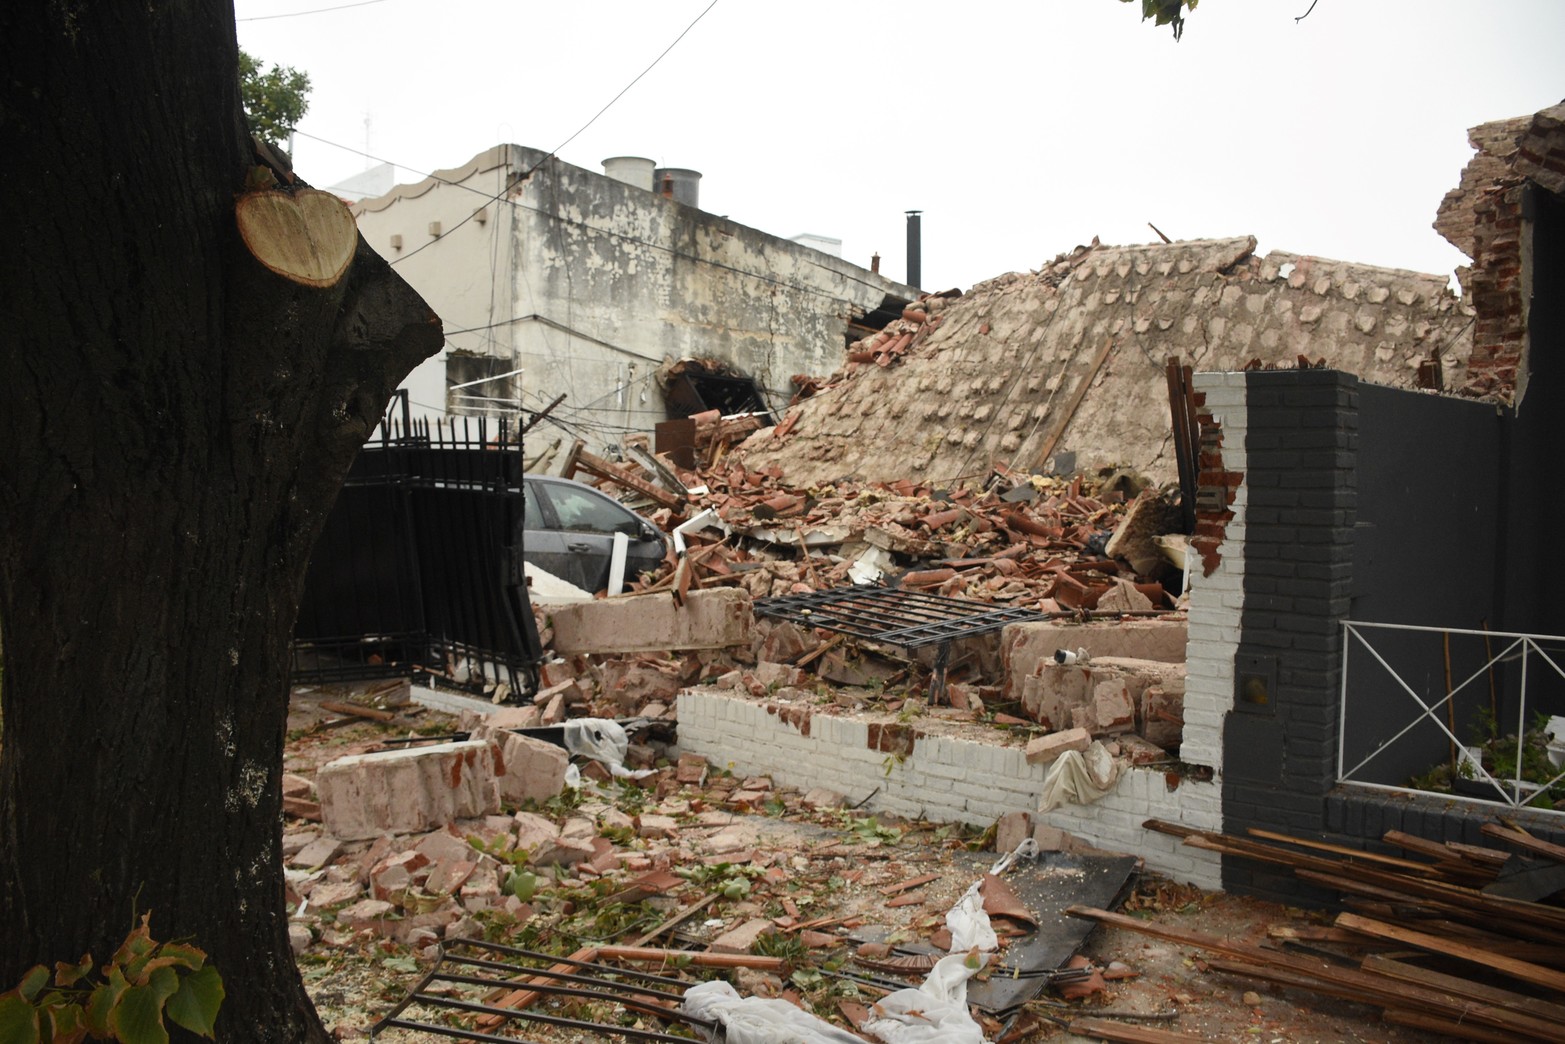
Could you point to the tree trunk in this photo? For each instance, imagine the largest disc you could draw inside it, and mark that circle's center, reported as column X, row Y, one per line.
column 175, row 422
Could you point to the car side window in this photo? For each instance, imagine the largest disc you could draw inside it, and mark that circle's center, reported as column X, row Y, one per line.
column 532, row 511
column 585, row 513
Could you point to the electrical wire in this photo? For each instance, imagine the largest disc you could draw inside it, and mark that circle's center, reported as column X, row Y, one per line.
column 629, row 85
column 553, row 153
column 301, row 14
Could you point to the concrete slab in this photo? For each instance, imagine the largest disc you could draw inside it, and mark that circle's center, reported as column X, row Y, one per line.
column 716, row 619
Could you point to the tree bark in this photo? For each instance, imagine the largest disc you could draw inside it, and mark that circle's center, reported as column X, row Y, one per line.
column 175, row 422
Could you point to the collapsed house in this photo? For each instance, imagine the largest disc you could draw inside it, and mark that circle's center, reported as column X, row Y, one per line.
column 1062, row 369
column 1317, row 518
column 1357, row 589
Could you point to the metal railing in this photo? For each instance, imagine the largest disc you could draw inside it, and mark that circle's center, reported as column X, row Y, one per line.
column 1398, row 711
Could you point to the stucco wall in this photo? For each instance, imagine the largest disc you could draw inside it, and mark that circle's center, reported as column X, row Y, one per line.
column 589, row 285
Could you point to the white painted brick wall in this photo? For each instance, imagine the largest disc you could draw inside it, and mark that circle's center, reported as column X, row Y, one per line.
column 1217, row 601
column 947, row 779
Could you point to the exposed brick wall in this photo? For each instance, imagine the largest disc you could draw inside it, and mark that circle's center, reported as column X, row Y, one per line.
column 1217, row 597
column 1300, row 481
column 1496, row 292
column 1216, row 486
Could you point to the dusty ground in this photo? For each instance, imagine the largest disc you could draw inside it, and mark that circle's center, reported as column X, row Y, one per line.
column 784, row 859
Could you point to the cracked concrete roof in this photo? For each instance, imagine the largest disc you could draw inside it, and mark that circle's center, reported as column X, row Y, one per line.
column 998, row 379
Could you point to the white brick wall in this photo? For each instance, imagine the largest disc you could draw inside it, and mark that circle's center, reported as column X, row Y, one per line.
column 1217, row 601
column 946, row 779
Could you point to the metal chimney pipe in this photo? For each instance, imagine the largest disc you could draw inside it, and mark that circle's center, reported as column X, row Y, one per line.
column 914, row 248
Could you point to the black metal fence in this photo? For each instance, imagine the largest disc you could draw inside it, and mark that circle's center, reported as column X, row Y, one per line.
column 419, row 568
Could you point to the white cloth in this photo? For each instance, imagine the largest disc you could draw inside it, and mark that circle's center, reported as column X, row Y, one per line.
column 936, row 1012
column 969, row 924
column 1079, row 778
column 758, row 1020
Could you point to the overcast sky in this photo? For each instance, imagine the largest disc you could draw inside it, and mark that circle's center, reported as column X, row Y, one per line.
column 1020, row 129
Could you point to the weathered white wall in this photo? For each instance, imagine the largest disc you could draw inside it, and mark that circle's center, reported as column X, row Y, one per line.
column 589, row 285
column 973, row 779
column 464, row 276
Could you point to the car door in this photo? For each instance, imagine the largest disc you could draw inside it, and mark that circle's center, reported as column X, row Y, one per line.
column 587, row 521
column 543, row 543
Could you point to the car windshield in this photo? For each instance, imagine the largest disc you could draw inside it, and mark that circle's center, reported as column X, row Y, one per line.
column 586, row 512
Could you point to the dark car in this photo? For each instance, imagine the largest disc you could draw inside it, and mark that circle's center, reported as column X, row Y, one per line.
column 569, row 531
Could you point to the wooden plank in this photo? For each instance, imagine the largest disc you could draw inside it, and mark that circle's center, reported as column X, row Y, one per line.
column 612, row 472
column 1077, row 394
column 1518, row 909
column 1329, row 979
column 1526, row 842
column 1389, row 993
column 1107, row 1029
column 1433, row 907
column 1516, row 969
column 1477, row 854
column 1447, row 1027
column 679, row 915
column 358, row 710
column 1381, row 964
column 1406, row 865
column 1446, row 857
column 1270, row 853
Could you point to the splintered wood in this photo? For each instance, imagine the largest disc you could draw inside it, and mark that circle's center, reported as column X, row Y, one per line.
column 1455, row 957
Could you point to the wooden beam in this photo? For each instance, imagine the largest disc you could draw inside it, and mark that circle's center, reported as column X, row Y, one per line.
column 1380, row 964
column 1328, row 979
column 1516, row 969
column 1405, row 865
column 608, row 470
column 1079, row 393
column 1107, row 1029
column 1526, row 842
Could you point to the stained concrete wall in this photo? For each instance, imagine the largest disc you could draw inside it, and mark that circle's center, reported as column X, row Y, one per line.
column 971, row 778
column 589, row 285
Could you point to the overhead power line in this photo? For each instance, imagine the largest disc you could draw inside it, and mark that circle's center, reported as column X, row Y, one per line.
column 301, row 14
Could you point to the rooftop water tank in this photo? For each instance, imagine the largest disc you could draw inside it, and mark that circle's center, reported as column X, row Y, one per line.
column 679, row 184
column 632, row 170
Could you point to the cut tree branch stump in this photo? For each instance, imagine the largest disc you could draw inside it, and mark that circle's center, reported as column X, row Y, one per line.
column 308, row 237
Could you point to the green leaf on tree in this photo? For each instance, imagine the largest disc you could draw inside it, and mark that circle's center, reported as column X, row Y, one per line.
column 138, row 1017
column 18, row 1019
column 32, row 983
column 103, row 1001
column 62, row 1020
column 194, row 1005
column 70, row 974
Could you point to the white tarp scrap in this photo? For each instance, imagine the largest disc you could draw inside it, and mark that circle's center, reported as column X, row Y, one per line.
column 758, row 1020
column 1079, row 778
column 603, row 740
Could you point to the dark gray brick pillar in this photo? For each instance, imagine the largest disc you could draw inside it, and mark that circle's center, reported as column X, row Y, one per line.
column 1280, row 740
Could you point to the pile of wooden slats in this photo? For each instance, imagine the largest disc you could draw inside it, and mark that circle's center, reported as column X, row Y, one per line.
column 1429, row 938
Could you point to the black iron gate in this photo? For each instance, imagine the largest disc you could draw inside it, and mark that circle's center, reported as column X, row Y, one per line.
column 419, row 568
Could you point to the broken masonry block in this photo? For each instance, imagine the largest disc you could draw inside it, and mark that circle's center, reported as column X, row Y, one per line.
column 715, row 618
column 1045, row 749
column 407, row 791
column 526, row 769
